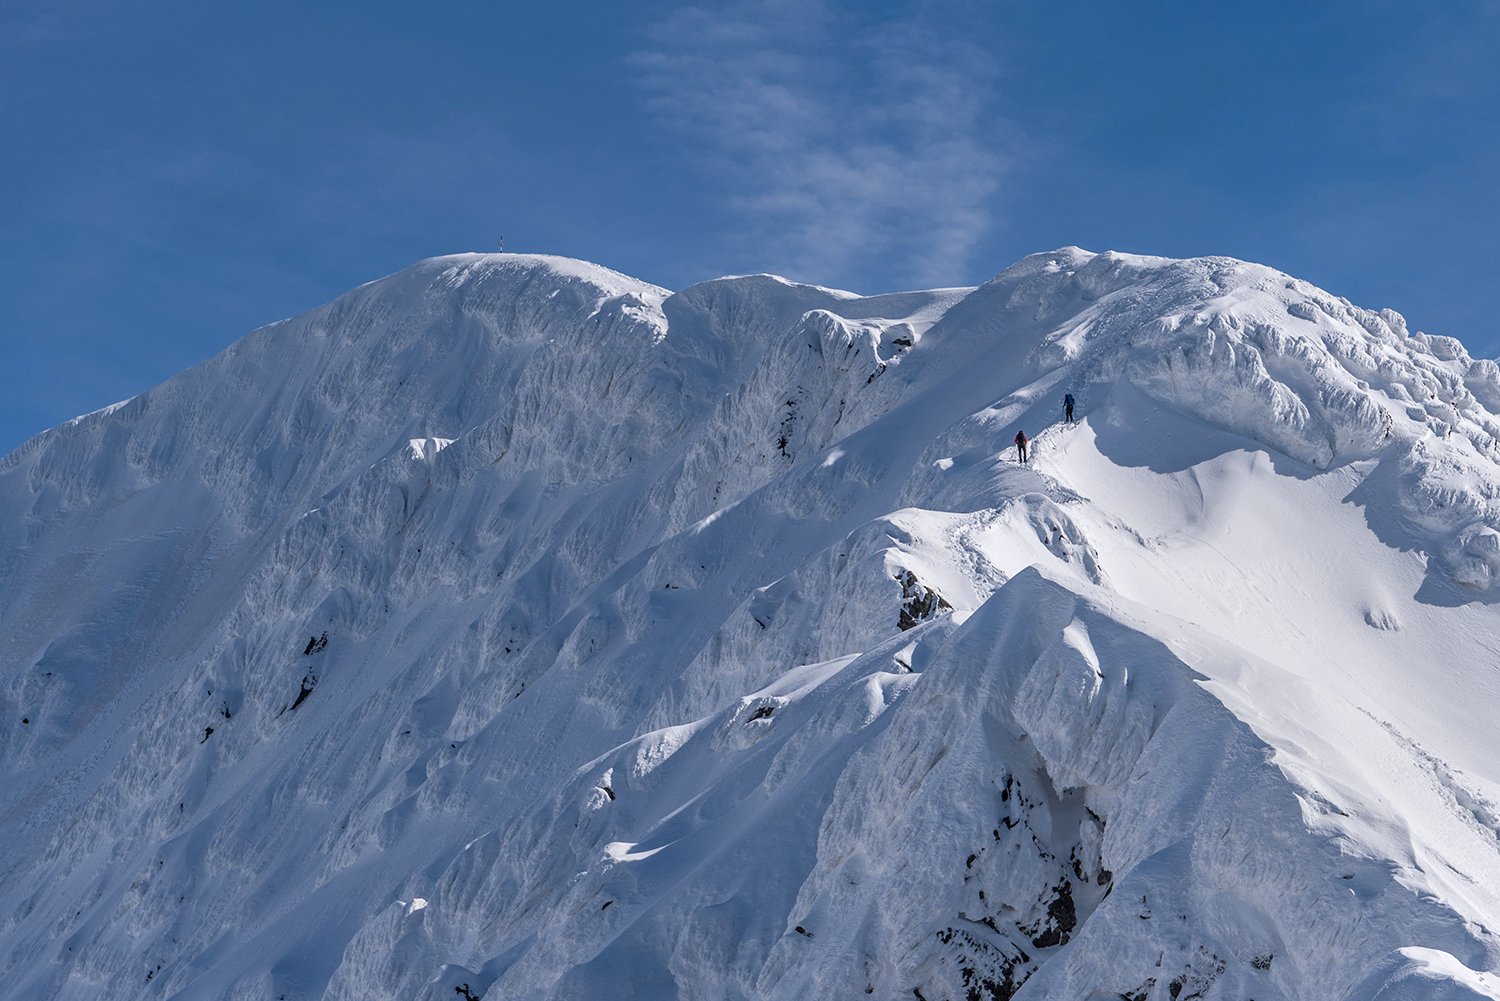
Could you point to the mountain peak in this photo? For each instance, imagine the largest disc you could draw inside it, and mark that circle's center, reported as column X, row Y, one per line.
column 509, row 627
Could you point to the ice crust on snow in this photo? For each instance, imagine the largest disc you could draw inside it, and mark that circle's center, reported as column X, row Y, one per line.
column 511, row 628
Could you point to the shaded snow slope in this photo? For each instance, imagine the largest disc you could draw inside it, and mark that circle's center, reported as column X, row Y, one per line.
column 510, row 628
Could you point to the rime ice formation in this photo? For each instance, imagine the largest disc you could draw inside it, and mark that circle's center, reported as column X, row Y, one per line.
column 512, row 629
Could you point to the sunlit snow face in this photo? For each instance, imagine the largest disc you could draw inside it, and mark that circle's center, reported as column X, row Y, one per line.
column 509, row 627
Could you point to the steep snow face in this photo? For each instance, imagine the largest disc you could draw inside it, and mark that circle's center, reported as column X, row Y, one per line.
column 511, row 628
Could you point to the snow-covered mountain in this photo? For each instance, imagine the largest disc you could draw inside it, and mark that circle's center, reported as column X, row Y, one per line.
column 510, row 628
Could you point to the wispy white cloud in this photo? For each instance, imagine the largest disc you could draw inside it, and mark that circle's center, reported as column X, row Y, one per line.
column 852, row 151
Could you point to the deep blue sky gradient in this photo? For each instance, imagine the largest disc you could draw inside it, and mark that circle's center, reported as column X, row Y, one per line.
column 175, row 174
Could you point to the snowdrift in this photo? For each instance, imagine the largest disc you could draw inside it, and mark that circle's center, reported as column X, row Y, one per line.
column 510, row 628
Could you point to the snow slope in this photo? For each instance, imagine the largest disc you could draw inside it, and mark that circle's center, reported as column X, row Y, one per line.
column 511, row 628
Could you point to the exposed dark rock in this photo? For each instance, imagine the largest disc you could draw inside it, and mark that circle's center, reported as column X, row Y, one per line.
column 919, row 603
column 308, row 684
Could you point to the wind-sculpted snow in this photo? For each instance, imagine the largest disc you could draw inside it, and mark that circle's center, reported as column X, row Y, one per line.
column 510, row 628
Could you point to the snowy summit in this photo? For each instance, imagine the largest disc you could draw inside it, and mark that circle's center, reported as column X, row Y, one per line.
column 512, row 629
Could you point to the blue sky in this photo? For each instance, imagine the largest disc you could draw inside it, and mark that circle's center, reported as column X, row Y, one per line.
column 175, row 174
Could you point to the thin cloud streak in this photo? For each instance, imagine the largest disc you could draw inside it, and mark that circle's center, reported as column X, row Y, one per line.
column 853, row 152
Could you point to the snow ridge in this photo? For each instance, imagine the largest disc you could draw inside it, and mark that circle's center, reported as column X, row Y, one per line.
column 512, row 628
